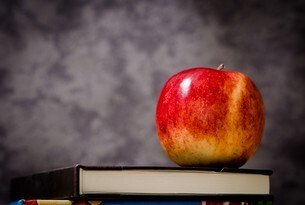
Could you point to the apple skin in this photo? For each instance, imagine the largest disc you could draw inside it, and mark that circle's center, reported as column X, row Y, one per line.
column 209, row 117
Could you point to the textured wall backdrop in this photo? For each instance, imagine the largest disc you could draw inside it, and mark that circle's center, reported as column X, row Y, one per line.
column 79, row 79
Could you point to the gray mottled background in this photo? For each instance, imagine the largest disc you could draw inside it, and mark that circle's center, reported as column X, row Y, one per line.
column 79, row 79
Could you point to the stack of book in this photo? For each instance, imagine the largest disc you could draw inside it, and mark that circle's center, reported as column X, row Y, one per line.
column 143, row 186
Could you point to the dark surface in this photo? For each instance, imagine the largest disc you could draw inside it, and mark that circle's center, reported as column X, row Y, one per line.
column 79, row 79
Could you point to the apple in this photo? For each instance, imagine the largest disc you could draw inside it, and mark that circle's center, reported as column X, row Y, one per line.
column 210, row 117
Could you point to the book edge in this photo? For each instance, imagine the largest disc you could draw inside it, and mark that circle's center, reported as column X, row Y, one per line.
column 212, row 169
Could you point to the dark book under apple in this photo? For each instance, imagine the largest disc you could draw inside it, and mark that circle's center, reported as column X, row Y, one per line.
column 98, row 182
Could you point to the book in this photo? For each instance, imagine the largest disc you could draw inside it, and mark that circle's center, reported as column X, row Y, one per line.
column 87, row 202
column 129, row 182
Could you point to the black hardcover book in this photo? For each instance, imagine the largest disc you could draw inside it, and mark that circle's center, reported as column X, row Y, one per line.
column 142, row 183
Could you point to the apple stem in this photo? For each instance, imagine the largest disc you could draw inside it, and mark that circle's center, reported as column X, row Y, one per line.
column 221, row 67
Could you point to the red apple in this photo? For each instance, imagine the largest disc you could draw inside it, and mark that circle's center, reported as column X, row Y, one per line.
column 209, row 117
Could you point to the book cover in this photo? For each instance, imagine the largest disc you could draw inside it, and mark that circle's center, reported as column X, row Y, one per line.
column 94, row 182
column 98, row 202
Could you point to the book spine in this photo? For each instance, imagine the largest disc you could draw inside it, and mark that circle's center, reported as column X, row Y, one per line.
column 61, row 184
